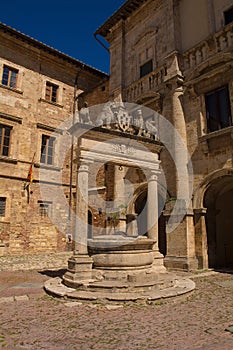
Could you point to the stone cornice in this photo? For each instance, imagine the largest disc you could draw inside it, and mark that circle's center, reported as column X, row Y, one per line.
column 10, row 117
column 122, row 13
column 49, row 128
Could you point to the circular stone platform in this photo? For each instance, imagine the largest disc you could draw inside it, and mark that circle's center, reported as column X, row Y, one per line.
column 121, row 269
column 108, row 291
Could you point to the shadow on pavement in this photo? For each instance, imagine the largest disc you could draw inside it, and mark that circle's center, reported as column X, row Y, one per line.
column 53, row 273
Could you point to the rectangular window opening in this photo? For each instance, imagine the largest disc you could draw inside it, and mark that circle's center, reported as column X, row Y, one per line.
column 47, row 150
column 44, row 208
column 228, row 16
column 9, row 77
column 51, row 92
column 146, row 68
column 2, row 206
column 5, row 133
column 218, row 110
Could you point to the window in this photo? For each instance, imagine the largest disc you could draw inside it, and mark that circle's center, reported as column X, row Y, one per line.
column 218, row 110
column 44, row 209
column 47, row 149
column 2, row 206
column 5, row 132
column 51, row 92
column 228, row 16
column 146, row 68
column 9, row 76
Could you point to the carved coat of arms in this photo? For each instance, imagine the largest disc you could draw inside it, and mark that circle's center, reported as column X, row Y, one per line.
column 124, row 120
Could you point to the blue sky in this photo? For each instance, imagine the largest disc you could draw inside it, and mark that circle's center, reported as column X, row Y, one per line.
column 66, row 25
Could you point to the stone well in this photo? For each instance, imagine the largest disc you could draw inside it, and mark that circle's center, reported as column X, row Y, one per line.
column 117, row 267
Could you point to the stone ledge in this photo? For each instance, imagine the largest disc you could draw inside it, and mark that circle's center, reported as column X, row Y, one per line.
column 34, row 262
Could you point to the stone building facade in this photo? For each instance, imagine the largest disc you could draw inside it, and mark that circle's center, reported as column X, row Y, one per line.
column 175, row 57
column 36, row 95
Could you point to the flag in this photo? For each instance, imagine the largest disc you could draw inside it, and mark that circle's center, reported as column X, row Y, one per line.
column 29, row 179
column 30, row 174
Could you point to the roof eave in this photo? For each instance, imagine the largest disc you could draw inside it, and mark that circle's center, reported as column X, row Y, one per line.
column 122, row 13
column 36, row 43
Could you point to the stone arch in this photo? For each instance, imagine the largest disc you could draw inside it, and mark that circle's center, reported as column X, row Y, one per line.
column 198, row 196
column 215, row 234
column 147, row 34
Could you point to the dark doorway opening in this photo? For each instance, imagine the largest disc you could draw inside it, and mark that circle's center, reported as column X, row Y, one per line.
column 219, row 223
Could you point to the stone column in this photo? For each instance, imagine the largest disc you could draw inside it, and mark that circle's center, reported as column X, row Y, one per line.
column 180, row 227
column 152, row 209
column 81, row 226
column 152, row 220
column 80, row 264
column 180, row 142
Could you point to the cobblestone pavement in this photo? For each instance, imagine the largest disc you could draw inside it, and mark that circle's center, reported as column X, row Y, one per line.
column 30, row 319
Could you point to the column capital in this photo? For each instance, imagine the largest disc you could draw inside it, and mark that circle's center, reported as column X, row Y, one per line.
column 83, row 166
column 152, row 175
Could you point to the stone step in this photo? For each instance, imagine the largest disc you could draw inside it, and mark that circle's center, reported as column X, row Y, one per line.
column 181, row 287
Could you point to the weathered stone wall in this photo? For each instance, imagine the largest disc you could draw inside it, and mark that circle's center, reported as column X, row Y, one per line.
column 98, row 95
column 23, row 230
column 191, row 52
column 145, row 35
column 50, row 261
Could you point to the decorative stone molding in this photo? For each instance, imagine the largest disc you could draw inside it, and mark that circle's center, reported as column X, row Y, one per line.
column 121, row 148
column 117, row 118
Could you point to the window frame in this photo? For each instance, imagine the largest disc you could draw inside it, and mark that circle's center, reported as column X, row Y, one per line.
column 219, row 120
column 3, row 139
column 46, row 141
column 3, row 208
column 45, row 209
column 51, row 92
column 147, row 71
column 7, row 82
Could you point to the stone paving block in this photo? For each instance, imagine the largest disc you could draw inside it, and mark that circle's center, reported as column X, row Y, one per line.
column 229, row 329
column 113, row 307
column 73, row 304
column 21, row 298
column 6, row 299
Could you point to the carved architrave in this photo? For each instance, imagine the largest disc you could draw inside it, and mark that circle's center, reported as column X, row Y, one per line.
column 123, row 149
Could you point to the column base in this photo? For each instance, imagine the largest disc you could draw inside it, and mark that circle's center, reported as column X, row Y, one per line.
column 158, row 262
column 181, row 263
column 79, row 271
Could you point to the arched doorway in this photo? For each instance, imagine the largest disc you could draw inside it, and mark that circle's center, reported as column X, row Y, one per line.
column 218, row 200
column 141, row 211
